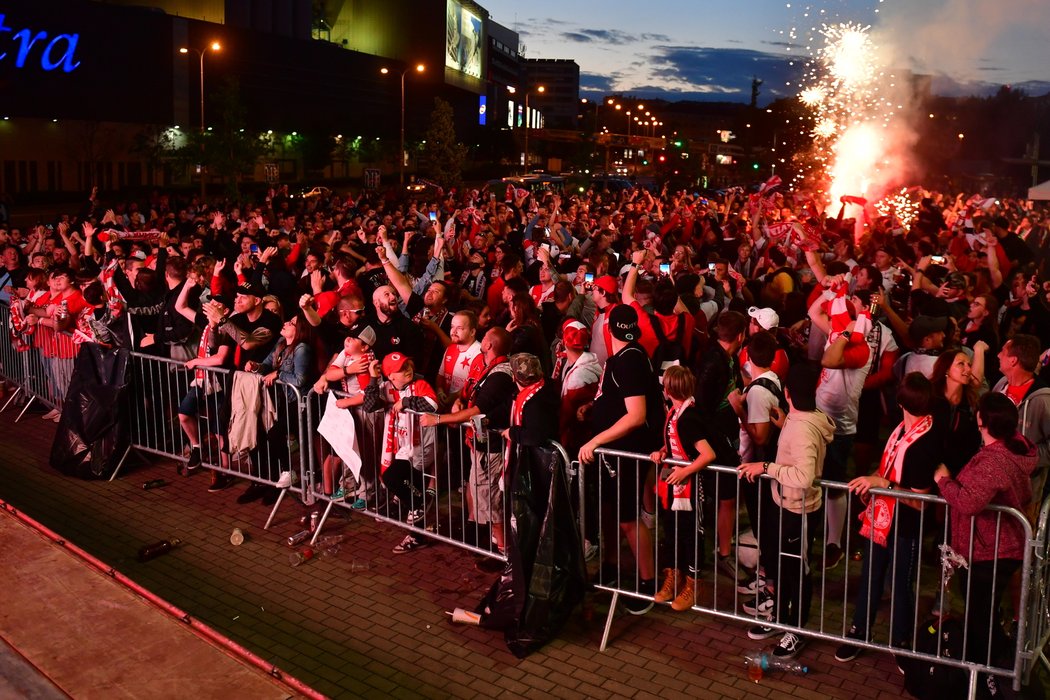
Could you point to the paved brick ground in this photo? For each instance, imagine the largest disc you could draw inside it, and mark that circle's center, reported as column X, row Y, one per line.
column 367, row 623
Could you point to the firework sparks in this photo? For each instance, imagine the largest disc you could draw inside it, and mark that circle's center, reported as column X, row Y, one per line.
column 901, row 206
column 845, row 89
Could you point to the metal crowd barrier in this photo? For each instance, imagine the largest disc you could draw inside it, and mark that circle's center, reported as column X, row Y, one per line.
column 41, row 371
column 833, row 591
column 157, row 387
column 437, row 500
column 1039, row 613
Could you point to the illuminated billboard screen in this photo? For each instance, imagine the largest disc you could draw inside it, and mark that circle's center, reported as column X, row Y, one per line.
column 463, row 39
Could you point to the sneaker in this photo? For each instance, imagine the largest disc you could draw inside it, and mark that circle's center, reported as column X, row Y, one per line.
column 727, row 566
column 833, row 555
column 751, row 586
column 254, row 492
column 668, row 591
column 339, row 495
column 193, row 462
column 789, row 646
column 52, row 414
column 687, row 596
column 219, row 482
column 761, row 605
column 761, row 632
column 286, row 481
column 410, row 544
column 359, row 504
column 414, row 516
column 637, row 606
column 847, row 652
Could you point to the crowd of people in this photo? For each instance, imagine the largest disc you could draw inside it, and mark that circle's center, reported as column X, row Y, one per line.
column 747, row 329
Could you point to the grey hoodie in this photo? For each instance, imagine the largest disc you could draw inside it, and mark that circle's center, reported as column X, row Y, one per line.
column 800, row 460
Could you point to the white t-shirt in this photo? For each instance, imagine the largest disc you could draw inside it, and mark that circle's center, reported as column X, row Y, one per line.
column 457, row 364
column 838, row 395
column 760, row 402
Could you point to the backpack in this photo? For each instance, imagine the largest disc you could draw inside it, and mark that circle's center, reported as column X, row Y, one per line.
column 670, row 352
column 769, row 450
column 928, row 680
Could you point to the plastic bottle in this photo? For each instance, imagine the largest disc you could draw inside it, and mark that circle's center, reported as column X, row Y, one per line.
column 299, row 558
column 154, row 484
column 759, row 662
column 152, row 551
column 331, row 540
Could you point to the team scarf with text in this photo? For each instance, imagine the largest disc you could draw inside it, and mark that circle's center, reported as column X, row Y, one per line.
column 681, row 493
column 877, row 518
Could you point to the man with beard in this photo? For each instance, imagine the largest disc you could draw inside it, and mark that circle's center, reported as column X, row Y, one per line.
column 394, row 328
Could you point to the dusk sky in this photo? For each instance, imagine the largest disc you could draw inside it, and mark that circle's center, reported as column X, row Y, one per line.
column 707, row 50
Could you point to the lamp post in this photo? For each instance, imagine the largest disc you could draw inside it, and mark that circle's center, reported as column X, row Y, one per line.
column 419, row 68
column 214, row 46
column 528, row 122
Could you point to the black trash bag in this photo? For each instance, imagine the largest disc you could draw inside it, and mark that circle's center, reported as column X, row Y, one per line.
column 92, row 433
column 545, row 577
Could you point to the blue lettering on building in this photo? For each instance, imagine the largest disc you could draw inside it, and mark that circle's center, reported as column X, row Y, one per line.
column 33, row 47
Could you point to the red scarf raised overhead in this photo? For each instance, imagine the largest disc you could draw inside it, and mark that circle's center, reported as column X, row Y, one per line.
column 877, row 518
column 681, row 493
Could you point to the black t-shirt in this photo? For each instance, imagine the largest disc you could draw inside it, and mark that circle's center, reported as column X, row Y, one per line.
column 267, row 319
column 920, row 462
column 539, row 419
column 494, row 396
column 628, row 373
column 400, row 333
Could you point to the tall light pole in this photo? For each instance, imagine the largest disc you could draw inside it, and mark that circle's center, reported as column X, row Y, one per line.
column 419, row 68
column 528, row 121
column 214, row 46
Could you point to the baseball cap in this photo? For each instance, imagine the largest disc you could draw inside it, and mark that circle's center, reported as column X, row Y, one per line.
column 767, row 318
column 623, row 323
column 394, row 362
column 608, row 283
column 250, row 289
column 526, row 368
column 363, row 332
column 923, row 326
column 575, row 335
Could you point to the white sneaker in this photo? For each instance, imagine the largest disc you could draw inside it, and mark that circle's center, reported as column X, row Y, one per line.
column 286, row 481
column 648, row 519
column 789, row 646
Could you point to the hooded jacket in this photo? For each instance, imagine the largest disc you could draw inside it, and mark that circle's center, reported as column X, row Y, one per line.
column 994, row 475
column 800, row 460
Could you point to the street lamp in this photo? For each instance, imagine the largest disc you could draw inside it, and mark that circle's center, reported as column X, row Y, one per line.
column 215, row 46
column 540, row 89
column 419, row 68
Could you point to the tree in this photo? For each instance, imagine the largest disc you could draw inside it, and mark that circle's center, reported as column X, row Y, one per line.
column 443, row 154
column 230, row 150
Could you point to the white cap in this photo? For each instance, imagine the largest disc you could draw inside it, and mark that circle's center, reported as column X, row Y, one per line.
column 767, row 318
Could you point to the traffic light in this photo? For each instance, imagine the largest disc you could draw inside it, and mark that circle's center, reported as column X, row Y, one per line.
column 754, row 166
column 677, row 144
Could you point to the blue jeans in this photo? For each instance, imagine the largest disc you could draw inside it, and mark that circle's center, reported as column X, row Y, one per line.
column 873, row 576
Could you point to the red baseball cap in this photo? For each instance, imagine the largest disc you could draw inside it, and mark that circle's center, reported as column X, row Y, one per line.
column 394, row 362
column 608, row 283
column 575, row 335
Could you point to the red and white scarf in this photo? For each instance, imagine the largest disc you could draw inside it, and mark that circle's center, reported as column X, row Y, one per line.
column 877, row 518
column 202, row 352
column 402, row 429
column 682, row 491
column 517, row 410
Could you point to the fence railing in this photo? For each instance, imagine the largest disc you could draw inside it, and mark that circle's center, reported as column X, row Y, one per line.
column 447, row 488
column 39, row 365
column 791, row 586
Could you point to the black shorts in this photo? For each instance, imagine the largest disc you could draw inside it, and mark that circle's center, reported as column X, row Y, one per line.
column 622, row 482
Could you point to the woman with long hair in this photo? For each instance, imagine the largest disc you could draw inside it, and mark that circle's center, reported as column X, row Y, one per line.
column 956, row 407
column 291, row 361
column 999, row 474
column 526, row 332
